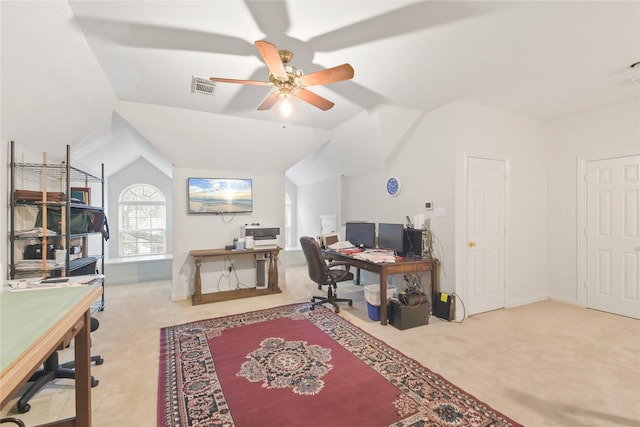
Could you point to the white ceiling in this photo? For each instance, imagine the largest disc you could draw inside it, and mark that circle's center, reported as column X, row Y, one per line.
column 67, row 66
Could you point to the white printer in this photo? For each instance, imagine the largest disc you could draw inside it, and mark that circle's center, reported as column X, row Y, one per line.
column 263, row 236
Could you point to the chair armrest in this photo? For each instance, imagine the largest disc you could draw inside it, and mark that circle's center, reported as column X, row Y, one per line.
column 332, row 264
column 16, row 421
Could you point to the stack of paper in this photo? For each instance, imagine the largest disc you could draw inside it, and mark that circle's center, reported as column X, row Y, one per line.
column 341, row 245
column 378, row 255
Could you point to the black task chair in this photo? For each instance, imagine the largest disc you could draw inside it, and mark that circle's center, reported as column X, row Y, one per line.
column 16, row 421
column 54, row 369
column 324, row 273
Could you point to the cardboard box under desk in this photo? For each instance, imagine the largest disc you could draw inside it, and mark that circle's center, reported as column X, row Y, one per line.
column 408, row 316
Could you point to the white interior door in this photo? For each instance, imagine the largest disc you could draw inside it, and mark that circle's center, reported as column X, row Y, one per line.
column 486, row 234
column 613, row 227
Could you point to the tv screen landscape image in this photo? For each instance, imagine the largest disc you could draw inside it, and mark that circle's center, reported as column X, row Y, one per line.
column 219, row 195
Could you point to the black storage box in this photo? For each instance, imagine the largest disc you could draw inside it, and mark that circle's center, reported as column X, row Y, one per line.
column 35, row 251
column 408, row 316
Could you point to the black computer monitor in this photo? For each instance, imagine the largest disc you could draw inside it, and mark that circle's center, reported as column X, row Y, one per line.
column 361, row 234
column 391, row 236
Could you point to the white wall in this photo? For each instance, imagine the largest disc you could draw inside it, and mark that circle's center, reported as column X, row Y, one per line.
column 216, row 231
column 425, row 169
column 319, row 198
column 431, row 167
column 523, row 143
column 292, row 191
column 594, row 134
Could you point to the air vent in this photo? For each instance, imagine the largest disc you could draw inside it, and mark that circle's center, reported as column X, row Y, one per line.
column 202, row 86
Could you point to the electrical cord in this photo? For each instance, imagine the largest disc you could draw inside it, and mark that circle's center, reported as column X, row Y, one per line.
column 412, row 287
column 464, row 309
column 408, row 304
column 437, row 251
column 229, row 269
column 230, row 219
column 239, row 284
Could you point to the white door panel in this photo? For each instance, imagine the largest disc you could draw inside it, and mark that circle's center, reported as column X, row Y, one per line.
column 485, row 227
column 613, row 237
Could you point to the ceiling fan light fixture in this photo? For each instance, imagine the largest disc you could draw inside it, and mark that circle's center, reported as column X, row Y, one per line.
column 285, row 104
column 290, row 81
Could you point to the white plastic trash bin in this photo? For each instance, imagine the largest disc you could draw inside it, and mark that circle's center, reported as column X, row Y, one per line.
column 372, row 296
column 372, row 293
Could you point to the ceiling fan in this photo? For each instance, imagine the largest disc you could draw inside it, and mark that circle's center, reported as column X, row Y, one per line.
column 291, row 81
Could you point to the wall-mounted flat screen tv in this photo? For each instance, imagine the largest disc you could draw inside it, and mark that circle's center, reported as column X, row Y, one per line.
column 219, row 195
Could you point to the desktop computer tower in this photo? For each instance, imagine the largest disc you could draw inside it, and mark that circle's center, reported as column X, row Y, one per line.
column 412, row 242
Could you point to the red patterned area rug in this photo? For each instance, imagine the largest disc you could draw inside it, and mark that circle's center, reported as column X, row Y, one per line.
column 292, row 366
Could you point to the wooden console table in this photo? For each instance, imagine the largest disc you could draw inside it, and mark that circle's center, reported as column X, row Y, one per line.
column 272, row 281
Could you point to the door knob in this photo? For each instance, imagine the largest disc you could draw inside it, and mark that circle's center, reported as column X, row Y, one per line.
column 472, row 244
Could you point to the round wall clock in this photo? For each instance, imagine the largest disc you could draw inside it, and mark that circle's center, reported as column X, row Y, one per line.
column 393, row 186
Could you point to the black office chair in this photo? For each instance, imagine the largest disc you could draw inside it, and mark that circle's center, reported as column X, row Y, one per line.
column 324, row 273
column 53, row 369
column 16, row 421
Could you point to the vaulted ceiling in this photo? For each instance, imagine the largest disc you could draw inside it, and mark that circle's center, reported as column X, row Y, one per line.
column 68, row 67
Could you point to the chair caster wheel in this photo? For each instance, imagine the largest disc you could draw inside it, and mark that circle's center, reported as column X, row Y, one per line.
column 99, row 361
column 23, row 409
column 337, row 310
column 94, row 382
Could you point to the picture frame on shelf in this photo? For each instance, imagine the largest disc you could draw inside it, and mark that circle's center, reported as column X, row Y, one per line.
column 81, row 195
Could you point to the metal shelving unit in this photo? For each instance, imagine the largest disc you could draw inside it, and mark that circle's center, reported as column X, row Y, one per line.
column 65, row 177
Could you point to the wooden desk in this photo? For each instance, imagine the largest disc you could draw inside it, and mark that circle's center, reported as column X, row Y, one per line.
column 203, row 254
column 388, row 269
column 34, row 324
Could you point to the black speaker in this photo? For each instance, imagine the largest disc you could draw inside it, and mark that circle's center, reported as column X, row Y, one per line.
column 412, row 244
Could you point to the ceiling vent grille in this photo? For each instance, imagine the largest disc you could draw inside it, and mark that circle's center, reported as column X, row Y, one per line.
column 202, row 86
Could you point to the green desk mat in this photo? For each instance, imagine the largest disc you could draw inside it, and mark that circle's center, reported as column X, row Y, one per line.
column 25, row 316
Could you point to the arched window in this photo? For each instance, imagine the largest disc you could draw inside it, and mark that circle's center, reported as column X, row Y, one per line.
column 143, row 221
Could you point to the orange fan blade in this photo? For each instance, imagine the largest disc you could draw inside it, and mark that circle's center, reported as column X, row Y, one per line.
column 330, row 75
column 242, row 82
column 271, row 57
column 271, row 99
column 315, row 100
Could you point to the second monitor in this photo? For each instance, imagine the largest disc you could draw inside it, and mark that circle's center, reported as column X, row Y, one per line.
column 362, row 234
column 391, row 236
